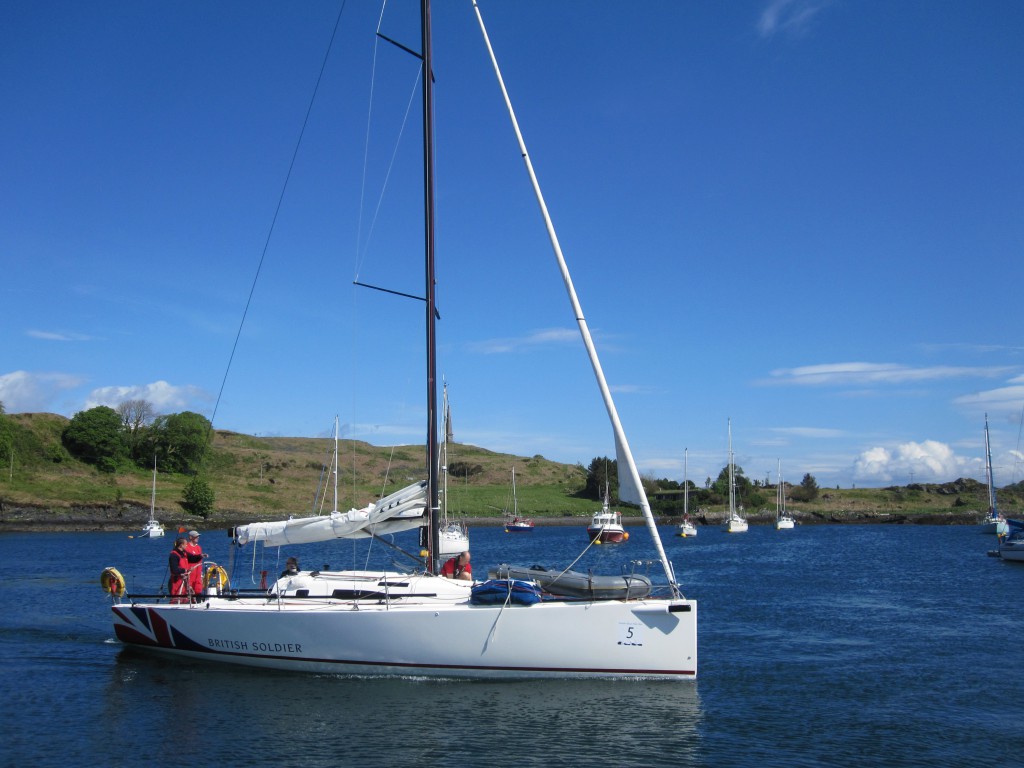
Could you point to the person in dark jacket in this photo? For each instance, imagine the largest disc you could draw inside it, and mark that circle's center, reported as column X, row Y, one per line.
column 291, row 567
column 195, row 562
column 177, row 563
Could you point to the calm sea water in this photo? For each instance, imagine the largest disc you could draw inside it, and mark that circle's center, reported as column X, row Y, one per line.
column 821, row 646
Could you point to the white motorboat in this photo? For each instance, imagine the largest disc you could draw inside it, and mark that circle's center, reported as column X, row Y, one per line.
column 606, row 524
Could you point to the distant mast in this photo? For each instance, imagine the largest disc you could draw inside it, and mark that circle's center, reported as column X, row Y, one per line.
column 686, row 488
column 993, row 512
column 732, row 478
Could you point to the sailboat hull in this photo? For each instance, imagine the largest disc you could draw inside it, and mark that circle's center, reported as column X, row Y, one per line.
column 998, row 527
column 453, row 540
column 687, row 530
column 607, row 534
column 735, row 526
column 1012, row 550
column 434, row 632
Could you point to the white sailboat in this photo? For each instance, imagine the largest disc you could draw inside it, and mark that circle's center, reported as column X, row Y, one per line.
column 994, row 521
column 783, row 520
column 513, row 522
column 735, row 523
column 453, row 535
column 687, row 528
column 388, row 623
column 152, row 529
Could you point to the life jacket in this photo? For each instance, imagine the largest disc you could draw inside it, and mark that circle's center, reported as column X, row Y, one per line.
column 452, row 569
column 194, row 553
column 177, row 580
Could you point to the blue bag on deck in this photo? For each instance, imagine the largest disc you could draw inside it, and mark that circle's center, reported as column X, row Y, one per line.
column 505, row 590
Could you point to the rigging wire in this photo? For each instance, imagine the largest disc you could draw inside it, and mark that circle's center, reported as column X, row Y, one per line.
column 277, row 211
column 363, row 248
column 1017, row 456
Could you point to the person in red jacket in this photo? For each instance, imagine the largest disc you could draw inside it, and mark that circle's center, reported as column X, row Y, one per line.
column 195, row 555
column 177, row 563
column 458, row 567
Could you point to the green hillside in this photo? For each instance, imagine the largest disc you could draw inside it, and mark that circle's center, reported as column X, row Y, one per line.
column 261, row 477
column 257, row 478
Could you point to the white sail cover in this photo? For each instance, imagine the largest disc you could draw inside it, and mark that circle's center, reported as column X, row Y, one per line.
column 403, row 509
column 628, row 490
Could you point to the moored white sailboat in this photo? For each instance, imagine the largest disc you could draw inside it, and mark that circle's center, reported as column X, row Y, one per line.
column 734, row 523
column 687, row 528
column 453, row 535
column 783, row 520
column 994, row 521
column 152, row 529
column 513, row 522
column 388, row 623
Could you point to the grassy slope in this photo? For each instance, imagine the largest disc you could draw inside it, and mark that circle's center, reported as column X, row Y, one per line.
column 265, row 478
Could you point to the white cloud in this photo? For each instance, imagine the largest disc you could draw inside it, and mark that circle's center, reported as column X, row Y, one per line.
column 165, row 397
column 1003, row 399
column 790, row 16
column 926, row 462
column 543, row 337
column 812, row 432
column 846, row 374
column 25, row 392
column 57, row 336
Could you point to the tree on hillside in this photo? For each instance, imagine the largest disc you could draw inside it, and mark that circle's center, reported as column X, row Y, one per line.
column 180, row 439
column 135, row 415
column 601, row 471
column 721, row 484
column 197, row 498
column 464, row 470
column 6, row 437
column 807, row 490
column 95, row 437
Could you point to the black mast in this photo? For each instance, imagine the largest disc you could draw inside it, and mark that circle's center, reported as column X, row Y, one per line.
column 428, row 231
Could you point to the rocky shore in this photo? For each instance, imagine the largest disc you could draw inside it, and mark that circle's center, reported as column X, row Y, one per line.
column 128, row 517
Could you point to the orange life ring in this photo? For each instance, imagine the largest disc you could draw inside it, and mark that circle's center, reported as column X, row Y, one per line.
column 112, row 581
column 225, row 582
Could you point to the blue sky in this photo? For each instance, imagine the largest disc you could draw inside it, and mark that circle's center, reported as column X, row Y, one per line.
column 805, row 216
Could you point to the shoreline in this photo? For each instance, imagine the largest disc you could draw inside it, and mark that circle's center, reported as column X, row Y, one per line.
column 130, row 523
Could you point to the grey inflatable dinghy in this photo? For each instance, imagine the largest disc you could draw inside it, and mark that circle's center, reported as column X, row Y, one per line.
column 576, row 584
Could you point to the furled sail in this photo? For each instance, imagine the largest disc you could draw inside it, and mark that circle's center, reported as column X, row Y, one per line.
column 628, row 489
column 402, row 510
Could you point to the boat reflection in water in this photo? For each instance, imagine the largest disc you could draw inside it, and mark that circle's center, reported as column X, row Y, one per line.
column 474, row 722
